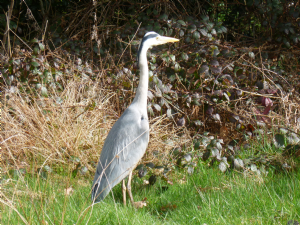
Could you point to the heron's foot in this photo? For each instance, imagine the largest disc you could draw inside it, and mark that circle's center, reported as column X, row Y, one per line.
column 139, row 204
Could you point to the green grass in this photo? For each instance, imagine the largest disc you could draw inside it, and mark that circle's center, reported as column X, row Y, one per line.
column 208, row 196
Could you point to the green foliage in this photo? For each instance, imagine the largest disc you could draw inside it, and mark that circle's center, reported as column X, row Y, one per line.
column 264, row 20
column 258, row 20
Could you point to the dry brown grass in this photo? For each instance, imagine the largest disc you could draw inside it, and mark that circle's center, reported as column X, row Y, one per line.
column 70, row 125
column 44, row 130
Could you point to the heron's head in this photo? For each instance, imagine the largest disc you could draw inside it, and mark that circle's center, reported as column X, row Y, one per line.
column 152, row 39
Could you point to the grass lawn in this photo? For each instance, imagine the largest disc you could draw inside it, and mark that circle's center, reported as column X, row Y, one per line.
column 206, row 197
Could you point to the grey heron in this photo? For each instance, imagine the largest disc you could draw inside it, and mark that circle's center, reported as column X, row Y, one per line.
column 127, row 140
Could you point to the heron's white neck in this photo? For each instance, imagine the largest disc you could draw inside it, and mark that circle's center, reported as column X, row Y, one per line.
column 141, row 94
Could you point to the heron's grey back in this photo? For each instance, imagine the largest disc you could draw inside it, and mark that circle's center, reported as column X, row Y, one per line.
column 124, row 146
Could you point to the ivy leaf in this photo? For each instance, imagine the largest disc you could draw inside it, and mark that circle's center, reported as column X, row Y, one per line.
column 216, row 117
column 216, row 69
column 36, row 50
column 150, row 110
column 205, row 18
column 210, row 25
column 239, row 72
column 181, row 33
column 169, row 113
column 287, row 44
column 181, row 22
column 286, row 30
column 172, row 57
column 191, row 70
column 206, row 155
column 295, row 39
column 266, row 101
column 34, row 40
column 44, row 91
column 216, row 52
column 184, row 56
column 203, row 32
column 204, row 69
column 222, row 167
column 198, row 123
column 197, row 145
column 187, row 40
column 214, row 63
column 213, row 32
column 41, row 46
column 267, row 110
column 226, row 97
column 17, row 61
column 35, row 64
column 192, row 28
column 157, row 107
column 280, row 140
column 223, row 29
column 163, row 17
column 150, row 95
column 251, row 55
column 196, row 35
column 177, row 67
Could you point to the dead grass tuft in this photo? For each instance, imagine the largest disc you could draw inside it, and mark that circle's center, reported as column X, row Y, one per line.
column 67, row 125
column 70, row 127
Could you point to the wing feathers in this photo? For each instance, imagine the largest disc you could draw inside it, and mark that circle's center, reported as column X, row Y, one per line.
column 124, row 146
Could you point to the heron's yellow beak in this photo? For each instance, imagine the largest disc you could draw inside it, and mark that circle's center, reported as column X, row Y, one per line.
column 163, row 39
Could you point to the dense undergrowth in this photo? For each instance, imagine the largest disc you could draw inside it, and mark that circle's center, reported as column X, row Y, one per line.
column 226, row 103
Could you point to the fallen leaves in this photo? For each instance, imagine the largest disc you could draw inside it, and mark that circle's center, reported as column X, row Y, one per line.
column 168, row 207
column 69, row 191
column 139, row 204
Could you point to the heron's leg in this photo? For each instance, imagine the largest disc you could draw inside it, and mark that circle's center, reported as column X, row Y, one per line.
column 129, row 188
column 124, row 191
